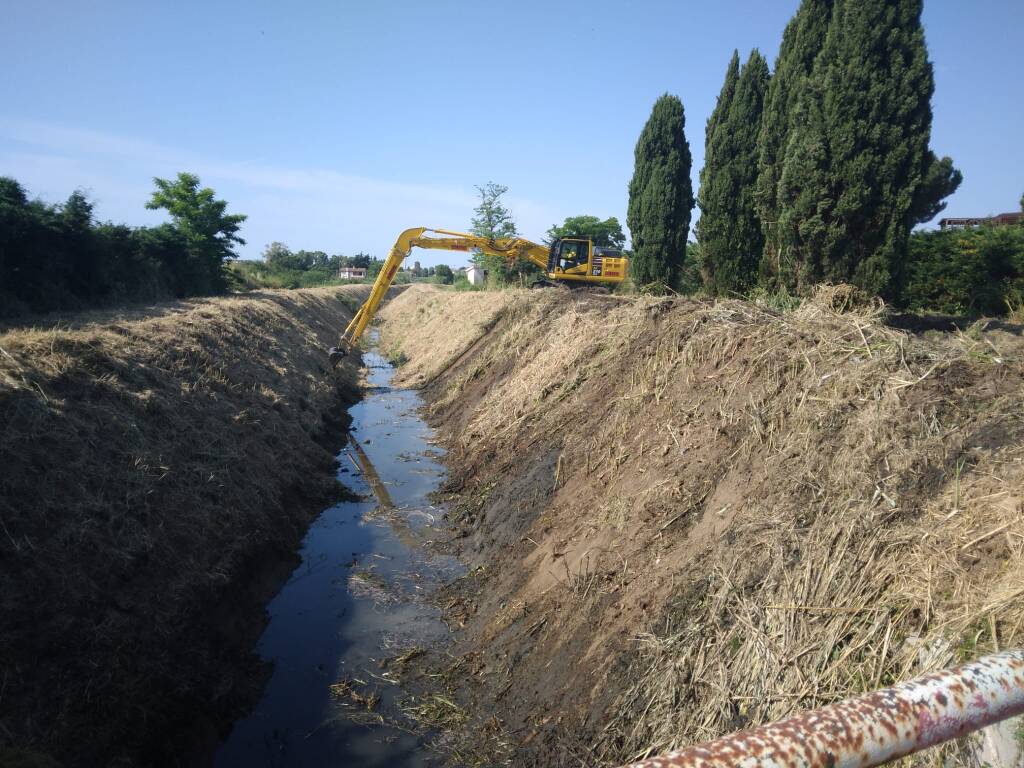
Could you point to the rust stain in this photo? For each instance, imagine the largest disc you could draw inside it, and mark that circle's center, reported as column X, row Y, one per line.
column 874, row 728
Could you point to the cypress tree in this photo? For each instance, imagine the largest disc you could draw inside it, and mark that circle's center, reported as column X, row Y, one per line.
column 713, row 197
column 729, row 231
column 660, row 196
column 858, row 173
column 720, row 113
column 802, row 41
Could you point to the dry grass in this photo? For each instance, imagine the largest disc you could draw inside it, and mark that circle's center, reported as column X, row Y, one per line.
column 155, row 464
column 811, row 503
column 429, row 327
column 359, row 704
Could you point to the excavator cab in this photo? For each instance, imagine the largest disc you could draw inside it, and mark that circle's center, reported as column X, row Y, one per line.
column 570, row 256
column 577, row 259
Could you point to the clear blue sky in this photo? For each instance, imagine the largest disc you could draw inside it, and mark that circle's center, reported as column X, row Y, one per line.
column 334, row 125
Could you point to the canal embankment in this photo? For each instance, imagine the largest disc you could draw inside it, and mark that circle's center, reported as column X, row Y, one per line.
column 685, row 516
column 159, row 467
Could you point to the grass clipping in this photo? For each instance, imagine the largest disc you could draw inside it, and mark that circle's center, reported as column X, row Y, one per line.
column 812, row 504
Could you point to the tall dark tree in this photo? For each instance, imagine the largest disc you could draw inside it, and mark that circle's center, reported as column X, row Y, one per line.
column 802, row 41
column 714, row 174
column 18, row 234
column 729, row 230
column 660, row 196
column 444, row 274
column 84, row 273
column 858, row 173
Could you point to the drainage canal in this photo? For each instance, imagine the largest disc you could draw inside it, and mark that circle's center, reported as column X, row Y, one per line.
column 356, row 600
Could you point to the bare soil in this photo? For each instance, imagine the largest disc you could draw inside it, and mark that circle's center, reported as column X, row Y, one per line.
column 158, row 468
column 686, row 517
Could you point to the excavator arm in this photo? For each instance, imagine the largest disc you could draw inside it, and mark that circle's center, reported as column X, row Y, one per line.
column 575, row 260
column 513, row 249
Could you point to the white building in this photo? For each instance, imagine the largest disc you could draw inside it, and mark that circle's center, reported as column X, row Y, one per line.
column 352, row 273
column 475, row 274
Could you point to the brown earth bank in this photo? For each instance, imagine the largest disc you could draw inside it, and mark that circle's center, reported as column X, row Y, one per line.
column 685, row 517
column 158, row 469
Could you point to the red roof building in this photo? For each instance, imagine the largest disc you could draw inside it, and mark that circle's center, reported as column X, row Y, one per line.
column 1002, row 220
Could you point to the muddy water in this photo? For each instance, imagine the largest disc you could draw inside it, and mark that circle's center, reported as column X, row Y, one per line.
column 357, row 599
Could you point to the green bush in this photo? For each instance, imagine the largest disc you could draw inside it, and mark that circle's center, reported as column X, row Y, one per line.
column 973, row 271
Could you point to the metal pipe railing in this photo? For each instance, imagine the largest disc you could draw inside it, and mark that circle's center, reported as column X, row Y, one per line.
column 874, row 728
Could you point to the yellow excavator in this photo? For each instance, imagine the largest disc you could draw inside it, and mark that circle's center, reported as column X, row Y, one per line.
column 569, row 261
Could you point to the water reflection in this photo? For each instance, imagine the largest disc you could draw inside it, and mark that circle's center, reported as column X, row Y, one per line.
column 356, row 600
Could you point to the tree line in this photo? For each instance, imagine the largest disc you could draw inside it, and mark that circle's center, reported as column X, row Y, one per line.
column 818, row 172
column 58, row 257
column 281, row 267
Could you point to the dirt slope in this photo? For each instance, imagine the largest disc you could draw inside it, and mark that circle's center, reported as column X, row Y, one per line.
column 689, row 516
column 157, row 471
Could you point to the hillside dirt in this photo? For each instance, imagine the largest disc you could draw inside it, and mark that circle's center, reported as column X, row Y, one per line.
column 158, row 468
column 685, row 517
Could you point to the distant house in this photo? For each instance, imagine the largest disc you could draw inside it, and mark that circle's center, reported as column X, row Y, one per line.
column 475, row 274
column 352, row 273
column 1002, row 220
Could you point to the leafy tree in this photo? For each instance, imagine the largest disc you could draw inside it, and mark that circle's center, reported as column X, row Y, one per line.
column 729, row 230
column 494, row 221
column 444, row 272
column 660, row 196
column 209, row 231
column 802, row 41
column 361, row 260
column 277, row 254
column 314, row 260
column 858, row 173
column 607, row 233
column 291, row 269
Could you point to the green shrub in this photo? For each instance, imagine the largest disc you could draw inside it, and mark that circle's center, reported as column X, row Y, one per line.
column 463, row 284
column 973, row 271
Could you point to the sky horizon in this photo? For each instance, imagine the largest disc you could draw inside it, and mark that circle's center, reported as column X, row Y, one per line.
column 334, row 126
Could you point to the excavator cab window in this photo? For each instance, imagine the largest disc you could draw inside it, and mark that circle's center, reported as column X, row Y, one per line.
column 573, row 253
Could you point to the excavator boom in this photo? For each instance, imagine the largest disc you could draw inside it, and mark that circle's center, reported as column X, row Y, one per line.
column 568, row 259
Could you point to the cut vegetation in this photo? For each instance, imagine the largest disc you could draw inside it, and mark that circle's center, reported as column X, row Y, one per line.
column 686, row 517
column 158, row 469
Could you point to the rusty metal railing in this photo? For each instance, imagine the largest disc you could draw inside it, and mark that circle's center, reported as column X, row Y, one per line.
column 874, row 728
